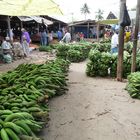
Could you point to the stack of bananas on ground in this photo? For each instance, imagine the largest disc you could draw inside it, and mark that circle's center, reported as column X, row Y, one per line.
column 24, row 95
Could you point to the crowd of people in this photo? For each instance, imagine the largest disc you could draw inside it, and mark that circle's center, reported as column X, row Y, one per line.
column 19, row 48
column 12, row 49
column 128, row 36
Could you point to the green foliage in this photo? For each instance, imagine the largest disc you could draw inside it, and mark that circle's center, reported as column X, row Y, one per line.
column 99, row 14
column 105, row 64
column 133, row 86
column 128, row 47
column 85, row 10
column 45, row 48
column 62, row 50
column 24, row 94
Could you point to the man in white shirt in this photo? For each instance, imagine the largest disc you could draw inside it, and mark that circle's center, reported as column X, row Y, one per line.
column 67, row 37
column 114, row 42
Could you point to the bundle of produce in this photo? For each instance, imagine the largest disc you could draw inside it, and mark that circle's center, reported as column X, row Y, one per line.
column 13, row 126
column 128, row 47
column 104, row 64
column 99, row 63
column 45, row 48
column 77, row 50
column 126, row 65
column 62, row 50
column 113, row 65
column 105, row 41
column 103, row 47
column 138, row 61
column 75, row 55
column 133, row 86
column 28, row 88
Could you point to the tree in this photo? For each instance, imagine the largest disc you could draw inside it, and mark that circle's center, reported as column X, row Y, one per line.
column 85, row 10
column 99, row 14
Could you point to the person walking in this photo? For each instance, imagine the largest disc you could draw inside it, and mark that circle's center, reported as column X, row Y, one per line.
column 114, row 42
column 26, row 35
column 25, row 47
column 67, row 37
column 43, row 33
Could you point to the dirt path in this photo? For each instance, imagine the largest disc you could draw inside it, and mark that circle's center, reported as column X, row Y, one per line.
column 93, row 109
column 35, row 57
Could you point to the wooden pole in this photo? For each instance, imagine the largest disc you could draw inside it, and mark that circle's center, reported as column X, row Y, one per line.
column 98, row 27
column 121, row 45
column 88, row 30
column 9, row 27
column 21, row 24
column 134, row 53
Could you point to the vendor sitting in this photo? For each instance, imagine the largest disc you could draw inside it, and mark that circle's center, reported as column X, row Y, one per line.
column 7, row 50
column 6, row 46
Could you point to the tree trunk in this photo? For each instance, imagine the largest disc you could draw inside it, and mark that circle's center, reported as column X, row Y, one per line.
column 133, row 66
column 121, row 45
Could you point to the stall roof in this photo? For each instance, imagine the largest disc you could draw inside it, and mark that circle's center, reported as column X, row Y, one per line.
column 81, row 22
column 108, row 21
column 35, row 18
column 28, row 7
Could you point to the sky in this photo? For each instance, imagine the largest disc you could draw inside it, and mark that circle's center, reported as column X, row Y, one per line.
column 71, row 8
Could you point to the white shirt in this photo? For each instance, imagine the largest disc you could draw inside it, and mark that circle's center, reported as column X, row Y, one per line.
column 67, row 37
column 114, row 41
column 6, row 45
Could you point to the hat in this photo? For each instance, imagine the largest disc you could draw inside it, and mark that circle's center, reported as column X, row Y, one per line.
column 22, row 29
column 7, row 38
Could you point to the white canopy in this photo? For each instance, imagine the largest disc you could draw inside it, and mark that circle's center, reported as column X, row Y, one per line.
column 28, row 7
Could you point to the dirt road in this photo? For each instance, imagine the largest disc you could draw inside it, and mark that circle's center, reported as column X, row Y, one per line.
column 93, row 109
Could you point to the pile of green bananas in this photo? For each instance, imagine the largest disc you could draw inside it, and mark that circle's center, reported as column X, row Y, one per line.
column 133, row 86
column 15, row 126
column 45, row 48
column 24, row 94
column 103, row 47
column 74, row 52
column 62, row 50
column 105, row 64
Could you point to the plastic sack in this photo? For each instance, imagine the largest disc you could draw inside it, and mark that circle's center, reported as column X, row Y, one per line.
column 7, row 58
column 125, row 20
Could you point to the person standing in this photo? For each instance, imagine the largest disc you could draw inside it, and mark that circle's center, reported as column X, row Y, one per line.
column 25, row 46
column 67, row 37
column 114, row 42
column 43, row 33
column 59, row 35
column 51, row 35
column 26, row 35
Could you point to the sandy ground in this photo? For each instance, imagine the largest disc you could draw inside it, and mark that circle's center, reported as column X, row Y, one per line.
column 35, row 57
column 93, row 109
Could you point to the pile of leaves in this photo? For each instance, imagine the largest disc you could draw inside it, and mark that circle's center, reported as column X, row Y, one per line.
column 24, row 95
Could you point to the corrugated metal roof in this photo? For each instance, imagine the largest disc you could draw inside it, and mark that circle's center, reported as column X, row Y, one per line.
column 35, row 18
